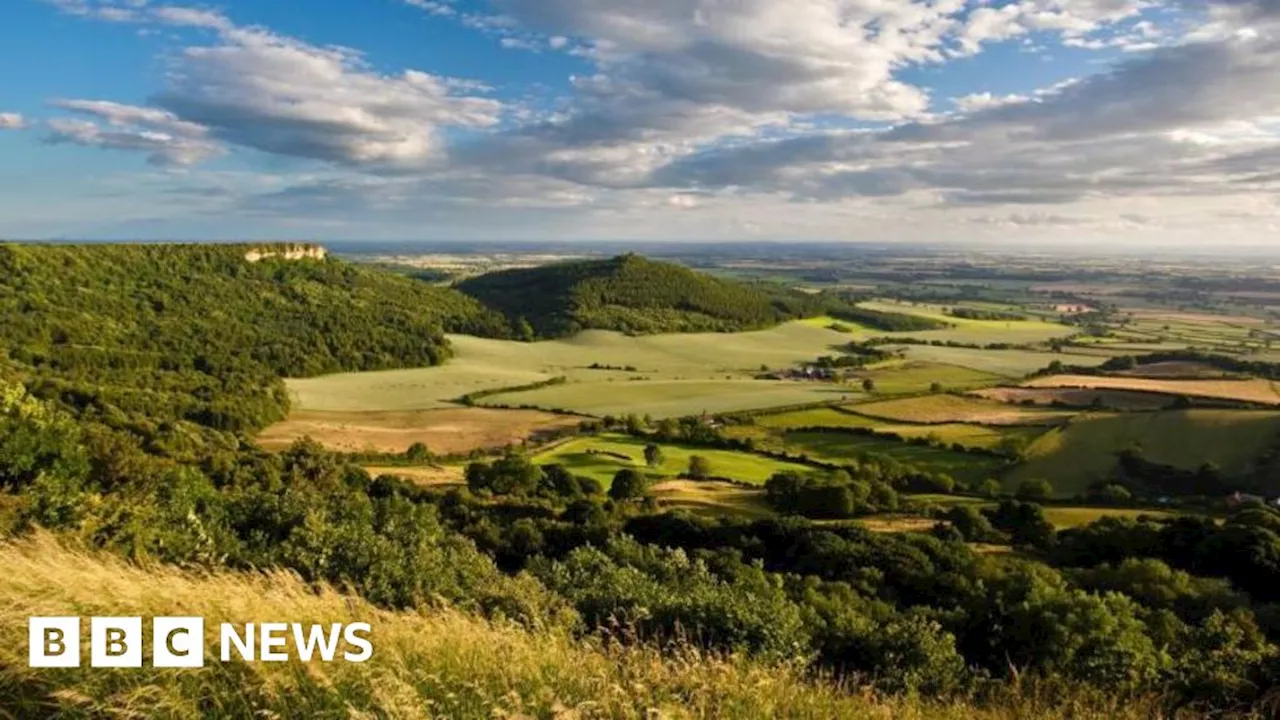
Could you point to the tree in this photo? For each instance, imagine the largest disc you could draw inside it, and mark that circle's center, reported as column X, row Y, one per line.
column 1013, row 446
column 972, row 525
column 652, row 455
column 935, row 387
column 628, row 484
column 699, row 467
column 632, row 424
column 1035, row 489
column 868, row 385
column 990, row 487
column 509, row 475
column 418, row 453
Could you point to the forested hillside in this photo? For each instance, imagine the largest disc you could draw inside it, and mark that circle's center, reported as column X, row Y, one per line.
column 200, row 333
column 635, row 295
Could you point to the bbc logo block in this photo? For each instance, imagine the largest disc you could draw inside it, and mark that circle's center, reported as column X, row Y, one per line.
column 116, row 642
column 54, row 642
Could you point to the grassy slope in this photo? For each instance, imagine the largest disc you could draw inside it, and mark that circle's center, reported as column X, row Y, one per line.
column 1084, row 451
column 839, row 448
column 673, row 398
column 724, row 463
column 904, row 378
column 435, row 663
column 481, row 364
column 1008, row 363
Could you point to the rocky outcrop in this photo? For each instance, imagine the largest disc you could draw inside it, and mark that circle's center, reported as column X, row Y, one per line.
column 287, row 252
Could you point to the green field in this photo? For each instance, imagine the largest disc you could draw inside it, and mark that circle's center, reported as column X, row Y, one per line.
column 483, row 364
column 1007, row 363
column 583, row 456
column 842, row 448
column 1074, row 456
column 973, row 331
column 917, row 377
column 672, row 398
column 967, row 434
column 815, row 417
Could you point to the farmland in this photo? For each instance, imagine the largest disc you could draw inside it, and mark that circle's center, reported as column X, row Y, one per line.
column 773, row 428
column 484, row 364
column 1078, row 397
column 446, row 431
column 944, row 408
column 844, row 448
column 917, row 377
column 671, row 398
column 1005, row 363
column 1084, row 451
column 601, row 457
column 1256, row 391
column 979, row 332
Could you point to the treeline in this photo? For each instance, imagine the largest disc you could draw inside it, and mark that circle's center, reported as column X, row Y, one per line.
column 885, row 321
column 134, row 334
column 976, row 314
column 903, row 612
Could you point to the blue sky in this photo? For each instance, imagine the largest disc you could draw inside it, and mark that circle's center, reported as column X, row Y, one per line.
column 1010, row 121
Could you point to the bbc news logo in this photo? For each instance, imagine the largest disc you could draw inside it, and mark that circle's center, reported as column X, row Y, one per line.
column 179, row 642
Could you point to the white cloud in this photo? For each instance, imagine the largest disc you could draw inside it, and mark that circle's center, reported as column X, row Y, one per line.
column 256, row 89
column 986, row 100
column 166, row 138
column 12, row 121
column 282, row 96
column 1070, row 18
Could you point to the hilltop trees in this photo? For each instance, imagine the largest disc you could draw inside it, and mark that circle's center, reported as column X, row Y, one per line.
column 635, row 295
column 199, row 334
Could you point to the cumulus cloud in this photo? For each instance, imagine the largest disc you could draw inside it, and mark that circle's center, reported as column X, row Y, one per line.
column 279, row 95
column 167, row 139
column 1070, row 18
column 256, row 89
column 12, row 121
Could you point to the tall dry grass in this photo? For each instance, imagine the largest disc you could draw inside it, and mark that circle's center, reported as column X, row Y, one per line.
column 433, row 664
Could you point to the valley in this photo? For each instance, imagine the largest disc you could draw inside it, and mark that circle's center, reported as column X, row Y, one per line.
column 885, row 471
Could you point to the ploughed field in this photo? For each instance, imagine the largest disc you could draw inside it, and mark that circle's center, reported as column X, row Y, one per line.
column 1246, row 390
column 445, row 431
column 945, row 408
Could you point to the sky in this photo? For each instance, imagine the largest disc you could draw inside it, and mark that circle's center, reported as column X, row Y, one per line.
column 1129, row 123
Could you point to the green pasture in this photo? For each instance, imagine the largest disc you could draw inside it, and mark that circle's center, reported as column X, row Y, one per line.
column 843, row 448
column 577, row 456
column 914, row 377
column 772, row 426
column 1006, row 363
column 1019, row 332
column 672, row 398
column 1084, row 451
column 484, row 364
